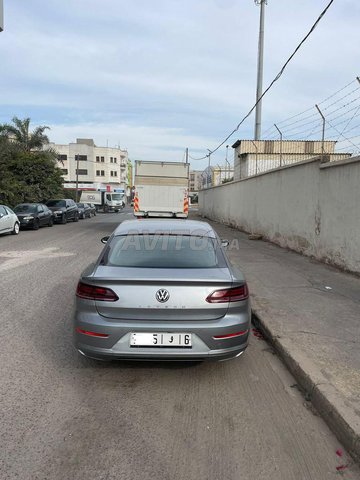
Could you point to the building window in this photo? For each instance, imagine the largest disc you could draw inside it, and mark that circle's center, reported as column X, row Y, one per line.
column 115, row 161
column 111, row 159
column 81, row 171
column 100, row 173
column 98, row 159
column 115, row 174
column 61, row 157
column 102, row 159
column 64, row 171
column 82, row 158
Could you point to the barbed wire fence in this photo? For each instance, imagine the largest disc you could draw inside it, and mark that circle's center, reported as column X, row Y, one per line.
column 331, row 128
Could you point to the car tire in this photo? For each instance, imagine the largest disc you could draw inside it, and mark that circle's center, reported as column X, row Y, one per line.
column 63, row 219
column 16, row 229
column 51, row 222
column 36, row 225
column 76, row 218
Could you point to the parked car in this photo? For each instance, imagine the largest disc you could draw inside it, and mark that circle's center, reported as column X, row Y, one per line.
column 9, row 222
column 34, row 215
column 93, row 209
column 64, row 209
column 84, row 210
column 162, row 289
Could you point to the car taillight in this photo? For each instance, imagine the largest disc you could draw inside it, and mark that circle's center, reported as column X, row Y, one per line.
column 235, row 294
column 92, row 292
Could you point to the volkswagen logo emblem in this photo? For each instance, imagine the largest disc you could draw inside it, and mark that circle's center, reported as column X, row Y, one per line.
column 162, row 295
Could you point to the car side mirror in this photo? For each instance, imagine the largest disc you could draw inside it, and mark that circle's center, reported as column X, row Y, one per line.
column 1, row 215
column 105, row 239
column 225, row 243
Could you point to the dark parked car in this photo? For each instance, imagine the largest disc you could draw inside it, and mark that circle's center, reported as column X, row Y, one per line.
column 84, row 210
column 93, row 209
column 34, row 215
column 64, row 209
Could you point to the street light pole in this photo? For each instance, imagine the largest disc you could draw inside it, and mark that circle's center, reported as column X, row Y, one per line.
column 208, row 175
column 260, row 64
column 77, row 177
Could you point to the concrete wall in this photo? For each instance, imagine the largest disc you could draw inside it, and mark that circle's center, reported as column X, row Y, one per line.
column 309, row 207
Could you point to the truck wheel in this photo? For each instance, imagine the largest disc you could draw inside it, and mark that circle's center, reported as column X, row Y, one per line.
column 106, row 208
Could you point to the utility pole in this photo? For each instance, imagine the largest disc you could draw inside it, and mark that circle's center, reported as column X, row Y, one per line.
column 227, row 163
column 323, row 133
column 260, row 64
column 187, row 155
column 209, row 172
column 77, row 177
column 1, row 16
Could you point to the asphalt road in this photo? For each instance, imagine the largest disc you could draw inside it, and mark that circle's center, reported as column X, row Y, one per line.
column 66, row 417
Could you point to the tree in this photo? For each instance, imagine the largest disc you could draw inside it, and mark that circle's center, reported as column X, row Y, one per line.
column 27, row 176
column 20, row 134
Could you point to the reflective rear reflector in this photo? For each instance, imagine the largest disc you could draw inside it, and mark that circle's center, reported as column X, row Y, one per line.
column 91, row 334
column 230, row 335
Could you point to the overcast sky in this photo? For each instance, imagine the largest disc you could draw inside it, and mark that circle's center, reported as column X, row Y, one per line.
column 158, row 76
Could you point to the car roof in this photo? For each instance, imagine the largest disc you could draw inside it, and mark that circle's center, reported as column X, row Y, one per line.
column 163, row 226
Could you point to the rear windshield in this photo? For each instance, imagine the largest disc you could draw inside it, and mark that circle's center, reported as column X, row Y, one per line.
column 56, row 203
column 163, row 251
column 25, row 208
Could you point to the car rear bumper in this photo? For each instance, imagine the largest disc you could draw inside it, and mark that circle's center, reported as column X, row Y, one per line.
column 204, row 347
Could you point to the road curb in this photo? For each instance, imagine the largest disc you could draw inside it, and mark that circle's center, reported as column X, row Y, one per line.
column 329, row 403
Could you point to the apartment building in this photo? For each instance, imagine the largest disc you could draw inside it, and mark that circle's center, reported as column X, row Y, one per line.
column 195, row 181
column 99, row 168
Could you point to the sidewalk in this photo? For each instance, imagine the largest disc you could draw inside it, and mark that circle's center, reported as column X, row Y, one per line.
column 311, row 314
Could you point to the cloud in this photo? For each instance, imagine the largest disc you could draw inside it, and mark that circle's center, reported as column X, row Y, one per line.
column 179, row 73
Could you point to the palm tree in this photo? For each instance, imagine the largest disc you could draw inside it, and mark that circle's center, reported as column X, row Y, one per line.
column 20, row 134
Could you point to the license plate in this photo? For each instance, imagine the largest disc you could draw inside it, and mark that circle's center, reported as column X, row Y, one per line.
column 160, row 340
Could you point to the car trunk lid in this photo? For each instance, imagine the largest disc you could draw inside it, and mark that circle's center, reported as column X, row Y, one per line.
column 137, row 291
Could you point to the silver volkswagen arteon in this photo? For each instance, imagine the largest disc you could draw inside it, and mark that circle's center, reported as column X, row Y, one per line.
column 162, row 290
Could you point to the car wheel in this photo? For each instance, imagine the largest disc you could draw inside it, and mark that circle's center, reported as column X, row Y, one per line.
column 36, row 224
column 63, row 219
column 76, row 218
column 16, row 229
column 51, row 222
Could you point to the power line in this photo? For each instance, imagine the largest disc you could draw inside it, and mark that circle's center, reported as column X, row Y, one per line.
column 275, row 79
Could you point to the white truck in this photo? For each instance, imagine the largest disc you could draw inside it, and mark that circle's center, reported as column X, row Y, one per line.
column 161, row 189
column 105, row 201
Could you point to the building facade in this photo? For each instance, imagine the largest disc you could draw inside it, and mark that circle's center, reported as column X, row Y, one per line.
column 195, row 181
column 99, row 168
column 252, row 157
column 214, row 176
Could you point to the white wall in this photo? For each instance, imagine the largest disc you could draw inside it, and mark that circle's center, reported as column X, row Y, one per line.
column 310, row 207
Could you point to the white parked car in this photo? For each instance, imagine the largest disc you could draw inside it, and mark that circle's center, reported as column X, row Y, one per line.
column 9, row 222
